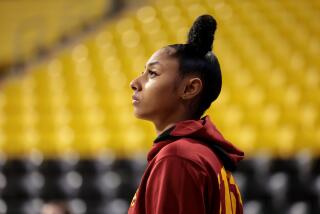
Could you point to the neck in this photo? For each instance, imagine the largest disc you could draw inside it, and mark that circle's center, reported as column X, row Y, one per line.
column 167, row 122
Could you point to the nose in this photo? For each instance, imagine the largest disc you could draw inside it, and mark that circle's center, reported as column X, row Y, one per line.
column 134, row 84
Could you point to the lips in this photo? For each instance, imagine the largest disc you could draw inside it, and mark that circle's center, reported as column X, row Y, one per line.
column 135, row 99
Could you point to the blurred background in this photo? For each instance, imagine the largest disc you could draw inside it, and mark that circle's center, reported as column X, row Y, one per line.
column 67, row 130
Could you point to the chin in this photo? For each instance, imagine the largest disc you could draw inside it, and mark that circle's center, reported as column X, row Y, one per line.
column 141, row 115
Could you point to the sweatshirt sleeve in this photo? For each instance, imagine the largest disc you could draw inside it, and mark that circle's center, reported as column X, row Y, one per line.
column 176, row 185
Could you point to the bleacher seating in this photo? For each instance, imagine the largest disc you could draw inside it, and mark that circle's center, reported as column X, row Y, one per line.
column 34, row 27
column 269, row 99
column 103, row 185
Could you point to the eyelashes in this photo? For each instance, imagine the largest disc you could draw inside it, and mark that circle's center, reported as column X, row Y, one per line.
column 152, row 74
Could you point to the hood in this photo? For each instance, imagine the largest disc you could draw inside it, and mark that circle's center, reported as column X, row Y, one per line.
column 205, row 131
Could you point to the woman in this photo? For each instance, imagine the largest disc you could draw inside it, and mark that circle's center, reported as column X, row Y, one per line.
column 190, row 162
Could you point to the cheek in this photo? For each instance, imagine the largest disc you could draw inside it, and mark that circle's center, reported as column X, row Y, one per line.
column 161, row 95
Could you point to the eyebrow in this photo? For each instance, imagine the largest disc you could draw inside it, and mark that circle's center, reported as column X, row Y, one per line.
column 152, row 63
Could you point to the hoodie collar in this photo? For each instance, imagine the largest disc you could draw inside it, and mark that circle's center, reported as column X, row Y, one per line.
column 166, row 135
column 180, row 129
column 205, row 131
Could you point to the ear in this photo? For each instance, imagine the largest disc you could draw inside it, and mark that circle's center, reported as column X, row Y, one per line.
column 192, row 87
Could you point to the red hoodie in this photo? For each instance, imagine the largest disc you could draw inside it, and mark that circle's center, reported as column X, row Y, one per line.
column 188, row 172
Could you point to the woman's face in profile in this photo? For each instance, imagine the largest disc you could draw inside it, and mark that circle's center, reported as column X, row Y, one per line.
column 155, row 90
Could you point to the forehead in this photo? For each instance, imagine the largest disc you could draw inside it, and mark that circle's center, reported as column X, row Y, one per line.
column 163, row 57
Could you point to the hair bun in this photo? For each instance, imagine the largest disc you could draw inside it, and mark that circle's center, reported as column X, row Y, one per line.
column 201, row 34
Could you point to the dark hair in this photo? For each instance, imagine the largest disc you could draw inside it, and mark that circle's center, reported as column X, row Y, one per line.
column 196, row 57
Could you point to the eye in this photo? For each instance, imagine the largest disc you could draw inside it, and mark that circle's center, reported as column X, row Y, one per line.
column 152, row 74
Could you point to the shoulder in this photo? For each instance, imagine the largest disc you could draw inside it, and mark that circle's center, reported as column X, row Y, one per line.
column 184, row 148
column 192, row 151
